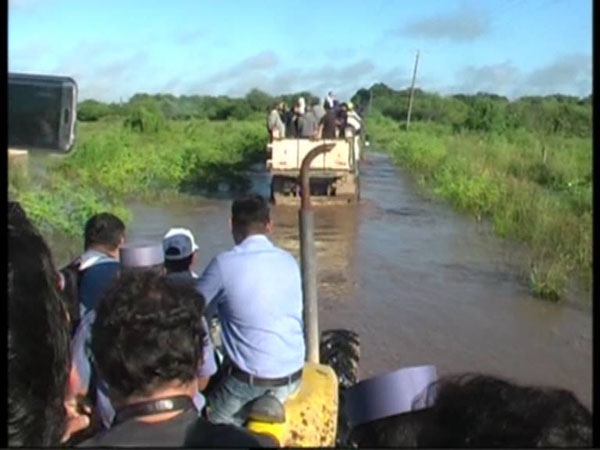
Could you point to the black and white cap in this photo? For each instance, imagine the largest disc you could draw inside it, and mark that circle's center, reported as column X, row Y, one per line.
column 179, row 243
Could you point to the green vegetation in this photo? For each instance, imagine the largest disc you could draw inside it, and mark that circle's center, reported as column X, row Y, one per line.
column 524, row 165
column 123, row 162
column 535, row 189
column 114, row 161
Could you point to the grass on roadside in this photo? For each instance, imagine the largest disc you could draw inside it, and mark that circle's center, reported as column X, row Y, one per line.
column 535, row 189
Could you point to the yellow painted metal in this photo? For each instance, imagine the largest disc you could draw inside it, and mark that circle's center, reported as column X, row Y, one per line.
column 311, row 413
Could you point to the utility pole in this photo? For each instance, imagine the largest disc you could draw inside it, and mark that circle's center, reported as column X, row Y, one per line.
column 370, row 100
column 412, row 91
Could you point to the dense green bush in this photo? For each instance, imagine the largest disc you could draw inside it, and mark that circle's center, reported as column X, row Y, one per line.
column 524, row 164
column 545, row 201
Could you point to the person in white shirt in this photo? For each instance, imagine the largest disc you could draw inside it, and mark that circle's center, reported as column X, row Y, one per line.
column 329, row 101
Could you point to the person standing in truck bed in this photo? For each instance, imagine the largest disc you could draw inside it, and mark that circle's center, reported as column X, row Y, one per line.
column 327, row 126
column 274, row 124
column 308, row 124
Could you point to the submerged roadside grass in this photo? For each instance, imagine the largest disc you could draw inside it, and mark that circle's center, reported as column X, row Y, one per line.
column 112, row 163
column 535, row 189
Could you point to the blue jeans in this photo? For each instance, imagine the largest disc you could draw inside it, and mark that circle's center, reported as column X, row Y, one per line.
column 226, row 404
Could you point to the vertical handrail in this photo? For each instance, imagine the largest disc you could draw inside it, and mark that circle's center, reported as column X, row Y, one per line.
column 308, row 258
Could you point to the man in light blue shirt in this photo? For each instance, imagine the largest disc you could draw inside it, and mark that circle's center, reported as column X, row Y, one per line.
column 256, row 290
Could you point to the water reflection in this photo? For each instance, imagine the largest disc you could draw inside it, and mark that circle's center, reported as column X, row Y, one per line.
column 418, row 282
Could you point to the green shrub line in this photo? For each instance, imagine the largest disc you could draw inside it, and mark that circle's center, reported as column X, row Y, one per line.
column 534, row 189
column 524, row 165
column 114, row 161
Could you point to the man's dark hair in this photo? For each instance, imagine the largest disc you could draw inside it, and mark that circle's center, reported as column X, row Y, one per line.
column 400, row 430
column 250, row 214
column 179, row 265
column 483, row 411
column 147, row 333
column 38, row 339
column 104, row 229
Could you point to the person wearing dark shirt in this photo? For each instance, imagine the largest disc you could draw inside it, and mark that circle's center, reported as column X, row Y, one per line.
column 342, row 119
column 328, row 125
column 104, row 235
column 290, row 124
column 150, row 381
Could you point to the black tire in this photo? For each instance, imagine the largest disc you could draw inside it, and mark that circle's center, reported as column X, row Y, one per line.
column 340, row 349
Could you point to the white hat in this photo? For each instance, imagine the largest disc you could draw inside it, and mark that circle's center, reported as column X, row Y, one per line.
column 182, row 241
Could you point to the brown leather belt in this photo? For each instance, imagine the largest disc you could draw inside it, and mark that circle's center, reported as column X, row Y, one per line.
column 263, row 382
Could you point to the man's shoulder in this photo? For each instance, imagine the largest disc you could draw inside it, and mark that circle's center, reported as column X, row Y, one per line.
column 283, row 252
column 105, row 269
column 241, row 252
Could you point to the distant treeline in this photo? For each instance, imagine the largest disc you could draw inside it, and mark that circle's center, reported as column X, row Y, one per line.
column 187, row 107
column 553, row 114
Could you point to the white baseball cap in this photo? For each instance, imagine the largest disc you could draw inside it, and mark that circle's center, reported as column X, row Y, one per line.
column 179, row 243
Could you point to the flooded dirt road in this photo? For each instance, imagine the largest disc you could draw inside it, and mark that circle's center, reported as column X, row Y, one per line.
column 419, row 282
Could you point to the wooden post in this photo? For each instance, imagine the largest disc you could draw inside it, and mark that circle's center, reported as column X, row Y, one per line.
column 412, row 90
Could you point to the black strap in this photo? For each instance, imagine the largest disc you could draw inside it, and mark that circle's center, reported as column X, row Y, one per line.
column 161, row 405
column 263, row 382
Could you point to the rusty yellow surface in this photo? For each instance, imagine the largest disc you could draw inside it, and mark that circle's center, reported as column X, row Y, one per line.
column 311, row 414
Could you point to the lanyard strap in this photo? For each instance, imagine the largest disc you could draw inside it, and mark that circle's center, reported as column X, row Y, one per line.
column 160, row 405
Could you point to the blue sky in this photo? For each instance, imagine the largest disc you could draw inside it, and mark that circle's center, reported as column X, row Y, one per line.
column 115, row 48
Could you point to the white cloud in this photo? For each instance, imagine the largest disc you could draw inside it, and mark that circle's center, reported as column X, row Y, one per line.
column 465, row 24
column 568, row 74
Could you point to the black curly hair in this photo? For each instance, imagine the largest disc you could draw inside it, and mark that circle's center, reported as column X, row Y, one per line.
column 38, row 338
column 147, row 333
column 481, row 411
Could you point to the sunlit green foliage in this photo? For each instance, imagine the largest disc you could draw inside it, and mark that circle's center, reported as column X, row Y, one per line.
column 538, row 190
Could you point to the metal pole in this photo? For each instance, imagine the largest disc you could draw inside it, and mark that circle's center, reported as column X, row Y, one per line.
column 308, row 258
column 412, row 90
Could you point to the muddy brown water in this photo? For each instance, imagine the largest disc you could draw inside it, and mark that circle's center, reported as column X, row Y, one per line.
column 418, row 281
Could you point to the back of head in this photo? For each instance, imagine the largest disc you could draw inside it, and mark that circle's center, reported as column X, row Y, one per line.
column 105, row 230
column 141, row 318
column 483, row 411
column 38, row 339
column 250, row 215
column 400, row 430
column 479, row 411
column 179, row 247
